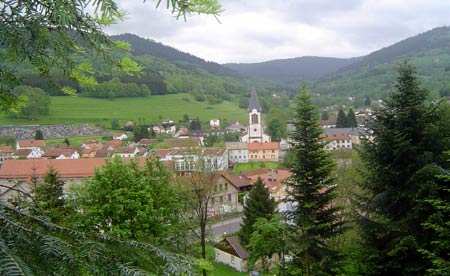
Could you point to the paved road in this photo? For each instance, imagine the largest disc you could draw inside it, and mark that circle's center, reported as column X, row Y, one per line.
column 227, row 226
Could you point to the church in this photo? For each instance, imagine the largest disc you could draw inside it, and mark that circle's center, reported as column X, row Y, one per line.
column 255, row 128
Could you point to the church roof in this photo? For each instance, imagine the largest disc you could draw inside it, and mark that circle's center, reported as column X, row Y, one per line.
column 254, row 103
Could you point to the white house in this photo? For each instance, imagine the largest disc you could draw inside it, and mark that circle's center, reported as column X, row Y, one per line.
column 61, row 154
column 214, row 123
column 237, row 152
column 125, row 152
column 188, row 160
column 28, row 153
column 119, row 136
column 230, row 252
column 29, row 144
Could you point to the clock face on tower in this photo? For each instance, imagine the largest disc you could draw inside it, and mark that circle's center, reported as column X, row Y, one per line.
column 255, row 130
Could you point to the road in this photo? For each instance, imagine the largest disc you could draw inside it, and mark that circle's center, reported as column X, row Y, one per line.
column 227, row 226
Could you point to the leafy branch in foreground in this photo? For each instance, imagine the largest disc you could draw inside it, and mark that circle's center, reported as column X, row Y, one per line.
column 32, row 245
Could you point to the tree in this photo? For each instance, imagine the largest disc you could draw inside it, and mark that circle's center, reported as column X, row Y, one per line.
column 66, row 141
column 198, row 189
column 276, row 124
column 341, row 120
column 195, row 124
column 38, row 135
column 367, row 101
column 46, row 34
column 129, row 200
column 35, row 102
column 267, row 239
column 142, row 132
column 325, row 115
column 115, row 124
column 351, row 119
column 311, row 191
column 50, row 196
column 409, row 140
column 258, row 205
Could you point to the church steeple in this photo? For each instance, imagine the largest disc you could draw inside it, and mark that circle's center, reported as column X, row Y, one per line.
column 254, row 103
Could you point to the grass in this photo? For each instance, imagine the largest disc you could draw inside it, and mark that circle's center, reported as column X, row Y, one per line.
column 241, row 167
column 72, row 110
column 74, row 141
column 224, row 270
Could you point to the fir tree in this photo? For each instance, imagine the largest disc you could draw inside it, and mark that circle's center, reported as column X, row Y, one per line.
column 367, row 101
column 409, row 139
column 351, row 119
column 311, row 192
column 341, row 120
column 258, row 205
column 50, row 196
column 38, row 135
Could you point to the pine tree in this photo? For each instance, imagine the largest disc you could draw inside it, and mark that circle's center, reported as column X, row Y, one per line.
column 50, row 196
column 258, row 205
column 409, row 139
column 311, row 192
column 38, row 135
column 367, row 101
column 351, row 119
column 341, row 120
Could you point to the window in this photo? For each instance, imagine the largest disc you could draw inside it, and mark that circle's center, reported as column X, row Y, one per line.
column 229, row 197
column 212, row 200
column 226, row 186
column 220, row 187
column 232, row 259
column 221, row 199
column 254, row 119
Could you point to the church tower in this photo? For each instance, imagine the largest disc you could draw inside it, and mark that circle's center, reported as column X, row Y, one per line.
column 255, row 130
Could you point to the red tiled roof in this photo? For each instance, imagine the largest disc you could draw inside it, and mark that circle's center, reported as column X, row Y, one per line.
column 263, row 146
column 112, row 143
column 147, row 141
column 6, row 149
column 58, row 152
column 237, row 180
column 67, row 168
column 331, row 137
column 23, row 152
column 31, row 143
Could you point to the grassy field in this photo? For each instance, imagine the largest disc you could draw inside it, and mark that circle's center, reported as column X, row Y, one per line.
column 241, row 167
column 224, row 270
column 70, row 110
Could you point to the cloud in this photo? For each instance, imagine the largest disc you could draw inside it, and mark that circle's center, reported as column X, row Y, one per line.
column 259, row 30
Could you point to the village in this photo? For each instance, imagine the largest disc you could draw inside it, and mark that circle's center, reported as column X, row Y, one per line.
column 182, row 154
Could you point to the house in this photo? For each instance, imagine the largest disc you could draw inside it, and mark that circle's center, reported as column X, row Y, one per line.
column 6, row 152
column 189, row 160
column 147, row 142
column 126, row 152
column 119, row 136
column 30, row 144
column 92, row 144
column 184, row 143
column 329, row 123
column 110, row 145
column 263, row 151
column 28, row 153
column 237, row 152
column 229, row 251
column 235, row 126
column 214, row 123
column 337, row 141
column 158, row 129
column 17, row 174
column 273, row 181
column 224, row 198
column 61, row 154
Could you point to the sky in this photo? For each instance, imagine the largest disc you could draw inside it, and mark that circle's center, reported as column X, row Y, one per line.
column 261, row 30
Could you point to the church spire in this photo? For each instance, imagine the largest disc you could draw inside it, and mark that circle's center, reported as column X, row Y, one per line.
column 254, row 103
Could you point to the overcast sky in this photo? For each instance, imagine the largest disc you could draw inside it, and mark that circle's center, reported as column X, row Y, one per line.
column 260, row 30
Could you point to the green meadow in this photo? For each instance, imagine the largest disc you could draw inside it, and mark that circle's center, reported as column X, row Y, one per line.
column 72, row 110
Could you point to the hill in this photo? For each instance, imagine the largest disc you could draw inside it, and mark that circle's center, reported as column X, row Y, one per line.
column 289, row 72
column 373, row 74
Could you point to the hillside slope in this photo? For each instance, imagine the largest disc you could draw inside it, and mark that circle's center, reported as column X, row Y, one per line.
column 374, row 74
column 289, row 72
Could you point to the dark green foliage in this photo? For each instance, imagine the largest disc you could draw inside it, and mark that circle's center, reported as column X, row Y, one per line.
column 258, row 205
column 373, row 74
column 276, row 124
column 8, row 140
column 410, row 137
column 38, row 135
column 130, row 201
column 49, row 197
column 341, row 120
column 195, row 124
column 351, row 119
column 325, row 115
column 35, row 103
column 114, row 88
column 66, row 141
column 311, row 191
column 367, row 101
column 142, row 132
column 115, row 124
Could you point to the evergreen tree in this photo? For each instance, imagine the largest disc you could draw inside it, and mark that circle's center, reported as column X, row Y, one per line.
column 311, row 191
column 258, row 205
column 325, row 115
column 351, row 119
column 38, row 135
column 367, row 101
column 409, row 137
column 341, row 120
column 50, row 196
